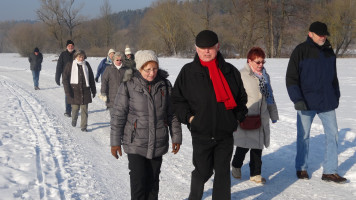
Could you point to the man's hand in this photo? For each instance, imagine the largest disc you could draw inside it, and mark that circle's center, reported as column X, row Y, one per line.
column 300, row 105
column 97, row 79
column 191, row 119
column 175, row 148
column 58, row 83
column 114, row 150
column 94, row 95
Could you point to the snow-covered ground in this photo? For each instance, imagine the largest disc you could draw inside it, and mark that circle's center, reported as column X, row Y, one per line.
column 43, row 157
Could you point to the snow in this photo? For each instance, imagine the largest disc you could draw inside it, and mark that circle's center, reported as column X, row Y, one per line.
column 43, row 157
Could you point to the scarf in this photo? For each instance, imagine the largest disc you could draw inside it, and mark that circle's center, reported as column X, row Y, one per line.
column 265, row 86
column 118, row 66
column 221, row 87
column 74, row 75
column 108, row 61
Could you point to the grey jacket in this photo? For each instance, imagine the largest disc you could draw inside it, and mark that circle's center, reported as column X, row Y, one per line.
column 111, row 81
column 258, row 138
column 143, row 116
column 35, row 61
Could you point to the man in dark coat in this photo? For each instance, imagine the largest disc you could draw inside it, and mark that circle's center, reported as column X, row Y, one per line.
column 209, row 96
column 35, row 60
column 64, row 58
column 313, row 87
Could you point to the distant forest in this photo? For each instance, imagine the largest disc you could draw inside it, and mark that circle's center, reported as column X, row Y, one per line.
column 170, row 26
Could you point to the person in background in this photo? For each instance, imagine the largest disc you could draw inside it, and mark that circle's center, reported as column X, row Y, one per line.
column 35, row 60
column 141, row 121
column 64, row 58
column 129, row 60
column 261, row 102
column 111, row 80
column 313, row 87
column 209, row 96
column 104, row 63
column 79, row 84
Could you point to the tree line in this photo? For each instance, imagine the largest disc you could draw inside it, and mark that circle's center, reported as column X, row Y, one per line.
column 169, row 27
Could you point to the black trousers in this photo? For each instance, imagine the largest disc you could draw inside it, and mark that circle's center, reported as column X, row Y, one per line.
column 144, row 177
column 210, row 155
column 255, row 159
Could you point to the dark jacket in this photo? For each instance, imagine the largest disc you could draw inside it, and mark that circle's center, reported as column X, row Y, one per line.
column 64, row 58
column 102, row 66
column 194, row 95
column 130, row 62
column 311, row 76
column 143, row 118
column 35, row 61
column 111, row 81
column 78, row 94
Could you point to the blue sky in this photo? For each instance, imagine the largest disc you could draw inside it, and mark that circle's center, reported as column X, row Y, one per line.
column 26, row 9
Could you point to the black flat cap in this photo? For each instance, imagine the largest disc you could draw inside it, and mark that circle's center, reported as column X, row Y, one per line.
column 206, row 38
column 319, row 28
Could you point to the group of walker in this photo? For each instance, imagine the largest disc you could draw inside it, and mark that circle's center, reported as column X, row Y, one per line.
column 221, row 106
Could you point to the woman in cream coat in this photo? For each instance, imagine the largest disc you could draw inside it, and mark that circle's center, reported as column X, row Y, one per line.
column 260, row 101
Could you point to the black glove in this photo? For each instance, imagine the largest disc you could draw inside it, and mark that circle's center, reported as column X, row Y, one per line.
column 94, row 95
column 97, row 79
column 58, row 83
column 300, row 105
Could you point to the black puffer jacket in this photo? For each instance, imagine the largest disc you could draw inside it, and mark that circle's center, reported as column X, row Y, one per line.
column 35, row 61
column 65, row 58
column 111, row 81
column 194, row 95
column 78, row 94
column 143, row 118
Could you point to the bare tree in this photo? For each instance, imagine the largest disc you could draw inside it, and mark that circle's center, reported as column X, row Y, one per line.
column 108, row 29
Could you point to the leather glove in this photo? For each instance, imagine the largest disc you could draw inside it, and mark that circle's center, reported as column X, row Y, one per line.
column 300, row 105
column 93, row 95
column 175, row 148
column 97, row 79
column 103, row 97
column 58, row 83
column 114, row 150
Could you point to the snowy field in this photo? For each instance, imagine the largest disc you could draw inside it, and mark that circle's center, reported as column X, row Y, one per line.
column 43, row 157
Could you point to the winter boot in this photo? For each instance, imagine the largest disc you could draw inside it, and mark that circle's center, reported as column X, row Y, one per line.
column 258, row 179
column 236, row 172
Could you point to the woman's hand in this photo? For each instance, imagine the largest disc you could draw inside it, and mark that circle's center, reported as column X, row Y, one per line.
column 114, row 150
column 175, row 148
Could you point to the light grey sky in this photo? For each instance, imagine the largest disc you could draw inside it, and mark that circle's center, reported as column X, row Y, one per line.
column 26, row 9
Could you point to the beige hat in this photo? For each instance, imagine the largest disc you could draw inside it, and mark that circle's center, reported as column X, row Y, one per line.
column 111, row 51
column 127, row 50
column 143, row 56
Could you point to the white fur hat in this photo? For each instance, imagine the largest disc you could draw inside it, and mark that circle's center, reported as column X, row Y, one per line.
column 127, row 50
column 111, row 51
column 143, row 56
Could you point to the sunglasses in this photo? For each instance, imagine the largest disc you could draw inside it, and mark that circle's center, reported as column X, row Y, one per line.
column 118, row 60
column 260, row 62
column 150, row 70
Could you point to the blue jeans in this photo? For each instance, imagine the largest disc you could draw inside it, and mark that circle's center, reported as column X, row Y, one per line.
column 304, row 122
column 36, row 77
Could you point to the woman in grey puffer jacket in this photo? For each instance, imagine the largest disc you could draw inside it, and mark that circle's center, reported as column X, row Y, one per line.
column 142, row 116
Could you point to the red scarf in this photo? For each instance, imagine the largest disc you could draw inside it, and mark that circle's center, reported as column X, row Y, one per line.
column 221, row 88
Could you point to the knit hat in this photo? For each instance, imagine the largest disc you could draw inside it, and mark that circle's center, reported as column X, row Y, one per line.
column 69, row 42
column 127, row 50
column 319, row 28
column 143, row 56
column 206, row 38
column 111, row 51
column 36, row 50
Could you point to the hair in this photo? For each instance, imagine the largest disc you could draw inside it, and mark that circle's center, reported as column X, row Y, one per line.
column 80, row 52
column 255, row 52
column 118, row 54
column 151, row 61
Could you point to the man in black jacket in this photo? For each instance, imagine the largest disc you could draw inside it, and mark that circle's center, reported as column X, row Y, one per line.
column 64, row 58
column 313, row 87
column 35, row 60
column 209, row 97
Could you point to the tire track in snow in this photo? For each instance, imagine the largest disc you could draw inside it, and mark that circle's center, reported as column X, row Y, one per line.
column 46, row 141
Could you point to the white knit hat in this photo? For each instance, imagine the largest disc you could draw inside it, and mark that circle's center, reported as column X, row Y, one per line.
column 143, row 56
column 111, row 51
column 127, row 50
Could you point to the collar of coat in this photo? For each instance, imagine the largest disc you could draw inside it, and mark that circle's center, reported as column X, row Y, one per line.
column 326, row 45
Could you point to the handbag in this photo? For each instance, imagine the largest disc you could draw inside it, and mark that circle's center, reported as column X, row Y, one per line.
column 252, row 122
